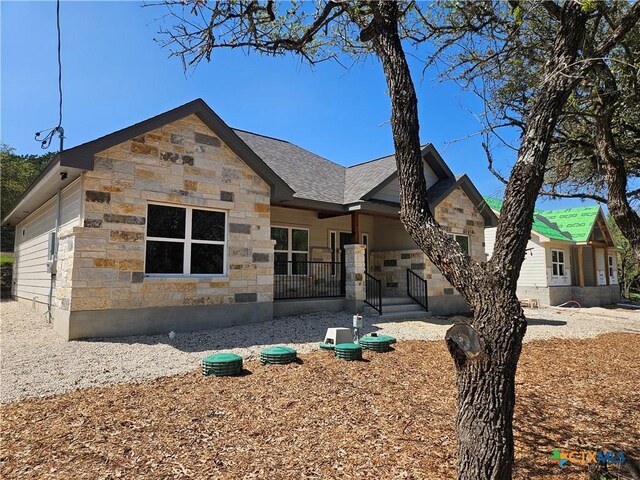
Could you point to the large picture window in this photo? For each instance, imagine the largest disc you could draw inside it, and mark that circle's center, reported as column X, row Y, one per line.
column 185, row 241
column 291, row 250
column 557, row 263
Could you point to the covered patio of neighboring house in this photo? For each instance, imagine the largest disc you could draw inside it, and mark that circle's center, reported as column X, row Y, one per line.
column 353, row 253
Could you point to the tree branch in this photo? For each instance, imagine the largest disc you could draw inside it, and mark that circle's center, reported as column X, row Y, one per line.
column 585, row 196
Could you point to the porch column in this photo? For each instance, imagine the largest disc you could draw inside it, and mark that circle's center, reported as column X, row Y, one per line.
column 355, row 227
column 606, row 264
column 354, row 275
column 580, row 266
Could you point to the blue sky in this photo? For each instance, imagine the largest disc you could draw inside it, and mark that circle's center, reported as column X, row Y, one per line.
column 114, row 75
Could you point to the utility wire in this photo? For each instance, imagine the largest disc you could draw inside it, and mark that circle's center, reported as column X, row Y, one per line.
column 59, row 61
column 50, row 133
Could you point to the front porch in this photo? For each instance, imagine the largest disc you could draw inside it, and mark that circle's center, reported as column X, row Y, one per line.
column 321, row 258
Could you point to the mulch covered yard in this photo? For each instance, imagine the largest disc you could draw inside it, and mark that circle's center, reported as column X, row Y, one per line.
column 391, row 416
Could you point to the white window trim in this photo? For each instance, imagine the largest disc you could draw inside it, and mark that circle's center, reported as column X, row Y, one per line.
column 454, row 235
column 290, row 251
column 563, row 263
column 187, row 241
column 611, row 266
column 337, row 250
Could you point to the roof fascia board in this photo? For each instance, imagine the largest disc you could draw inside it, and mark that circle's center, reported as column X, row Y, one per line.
column 47, row 184
column 52, row 164
column 593, row 224
column 436, row 162
column 310, row 205
column 83, row 156
column 605, row 224
column 467, row 186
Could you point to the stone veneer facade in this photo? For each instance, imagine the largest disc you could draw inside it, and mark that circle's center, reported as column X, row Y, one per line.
column 457, row 215
column 101, row 264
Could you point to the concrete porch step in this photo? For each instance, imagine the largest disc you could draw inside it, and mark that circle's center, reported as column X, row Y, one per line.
column 404, row 307
column 421, row 315
column 397, row 301
column 398, row 307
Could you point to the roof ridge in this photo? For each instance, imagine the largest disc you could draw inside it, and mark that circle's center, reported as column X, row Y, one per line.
column 265, row 136
column 381, row 158
column 292, row 144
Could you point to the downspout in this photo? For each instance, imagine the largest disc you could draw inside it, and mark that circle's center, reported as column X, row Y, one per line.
column 54, row 258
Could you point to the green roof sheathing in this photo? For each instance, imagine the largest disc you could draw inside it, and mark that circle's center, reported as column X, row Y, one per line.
column 569, row 224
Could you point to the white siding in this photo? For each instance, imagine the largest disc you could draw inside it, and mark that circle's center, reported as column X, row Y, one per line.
column 391, row 192
column 31, row 247
column 601, row 269
column 533, row 272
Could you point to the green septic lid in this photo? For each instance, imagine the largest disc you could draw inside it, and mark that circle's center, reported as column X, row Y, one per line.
column 223, row 358
column 348, row 346
column 278, row 351
column 327, row 346
column 378, row 339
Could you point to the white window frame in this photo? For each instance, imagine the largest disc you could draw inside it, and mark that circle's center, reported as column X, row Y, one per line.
column 188, row 241
column 558, row 263
column 611, row 266
column 290, row 251
column 455, row 235
column 364, row 240
column 335, row 254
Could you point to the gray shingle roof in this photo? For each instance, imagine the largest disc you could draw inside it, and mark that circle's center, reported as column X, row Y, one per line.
column 309, row 175
column 361, row 179
column 313, row 177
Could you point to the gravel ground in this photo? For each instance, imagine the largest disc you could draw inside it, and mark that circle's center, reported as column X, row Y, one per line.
column 35, row 362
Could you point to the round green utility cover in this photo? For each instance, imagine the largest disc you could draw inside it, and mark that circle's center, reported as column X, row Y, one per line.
column 277, row 351
column 370, row 340
column 348, row 346
column 378, row 338
column 327, row 346
column 223, row 358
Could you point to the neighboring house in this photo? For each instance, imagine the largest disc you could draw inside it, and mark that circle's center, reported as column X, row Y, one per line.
column 181, row 223
column 570, row 256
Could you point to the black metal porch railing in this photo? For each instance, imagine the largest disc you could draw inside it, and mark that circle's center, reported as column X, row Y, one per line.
column 373, row 292
column 293, row 279
column 417, row 288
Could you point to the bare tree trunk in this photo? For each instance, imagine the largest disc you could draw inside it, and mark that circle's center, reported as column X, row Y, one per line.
column 486, row 378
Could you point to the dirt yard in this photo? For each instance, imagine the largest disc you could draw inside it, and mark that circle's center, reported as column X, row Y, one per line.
column 390, row 416
column 36, row 362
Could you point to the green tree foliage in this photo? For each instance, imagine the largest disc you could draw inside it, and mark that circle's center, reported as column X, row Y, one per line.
column 628, row 265
column 16, row 174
